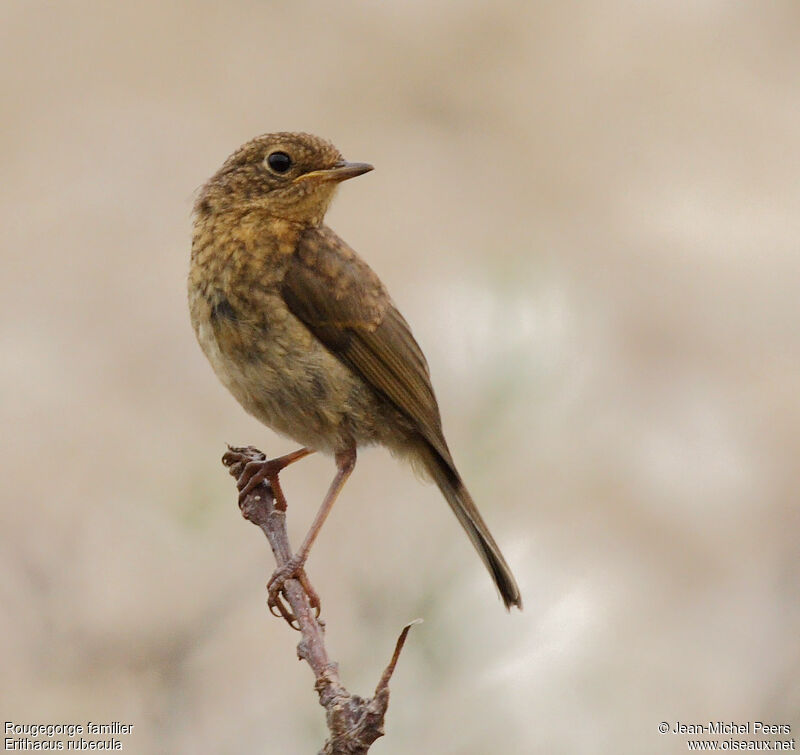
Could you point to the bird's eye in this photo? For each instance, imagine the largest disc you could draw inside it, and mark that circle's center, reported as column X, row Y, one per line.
column 279, row 162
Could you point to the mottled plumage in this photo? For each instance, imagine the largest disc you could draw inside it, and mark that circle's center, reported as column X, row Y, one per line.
column 301, row 330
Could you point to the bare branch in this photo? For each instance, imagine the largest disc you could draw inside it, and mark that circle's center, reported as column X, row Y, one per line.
column 354, row 723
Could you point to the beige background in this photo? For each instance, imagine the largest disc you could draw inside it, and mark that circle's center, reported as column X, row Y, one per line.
column 590, row 214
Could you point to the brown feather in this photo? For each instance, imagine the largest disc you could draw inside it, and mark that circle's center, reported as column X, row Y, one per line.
column 343, row 303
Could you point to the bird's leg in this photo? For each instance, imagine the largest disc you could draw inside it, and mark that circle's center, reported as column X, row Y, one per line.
column 294, row 567
column 256, row 471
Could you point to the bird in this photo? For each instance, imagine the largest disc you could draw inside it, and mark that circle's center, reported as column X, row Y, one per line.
column 305, row 336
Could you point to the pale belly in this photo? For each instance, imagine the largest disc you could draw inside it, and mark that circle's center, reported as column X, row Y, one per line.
column 288, row 380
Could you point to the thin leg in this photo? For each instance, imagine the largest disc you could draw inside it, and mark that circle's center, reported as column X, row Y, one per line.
column 293, row 569
column 345, row 463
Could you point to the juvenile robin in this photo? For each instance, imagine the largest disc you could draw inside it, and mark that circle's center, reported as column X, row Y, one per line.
column 305, row 336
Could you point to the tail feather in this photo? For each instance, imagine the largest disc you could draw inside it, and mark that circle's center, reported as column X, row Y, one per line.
column 456, row 494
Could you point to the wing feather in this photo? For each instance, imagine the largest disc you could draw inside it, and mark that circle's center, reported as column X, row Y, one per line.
column 344, row 304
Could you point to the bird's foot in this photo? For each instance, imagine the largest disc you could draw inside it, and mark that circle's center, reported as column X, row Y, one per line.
column 237, row 458
column 292, row 569
column 252, row 468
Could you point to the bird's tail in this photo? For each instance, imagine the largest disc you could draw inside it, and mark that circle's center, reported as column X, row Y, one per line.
column 453, row 489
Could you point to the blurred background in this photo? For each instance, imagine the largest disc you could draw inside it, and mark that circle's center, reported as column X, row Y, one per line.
column 589, row 213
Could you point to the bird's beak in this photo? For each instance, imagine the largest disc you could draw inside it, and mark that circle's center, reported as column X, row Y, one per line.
column 339, row 172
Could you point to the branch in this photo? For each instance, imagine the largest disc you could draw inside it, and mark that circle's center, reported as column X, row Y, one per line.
column 354, row 723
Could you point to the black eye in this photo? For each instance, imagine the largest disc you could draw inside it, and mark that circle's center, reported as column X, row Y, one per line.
column 279, row 162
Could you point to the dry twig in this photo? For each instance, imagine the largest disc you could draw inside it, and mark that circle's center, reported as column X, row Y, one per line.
column 354, row 722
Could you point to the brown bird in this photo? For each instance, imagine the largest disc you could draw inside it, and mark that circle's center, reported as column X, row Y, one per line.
column 305, row 336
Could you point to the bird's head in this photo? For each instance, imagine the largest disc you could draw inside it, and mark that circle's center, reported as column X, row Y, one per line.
column 292, row 176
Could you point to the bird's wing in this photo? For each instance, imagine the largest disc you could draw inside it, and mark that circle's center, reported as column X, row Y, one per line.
column 344, row 304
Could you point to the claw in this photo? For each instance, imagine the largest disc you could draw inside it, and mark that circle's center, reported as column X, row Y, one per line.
column 283, row 612
column 251, row 468
column 292, row 569
column 254, row 473
column 237, row 457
